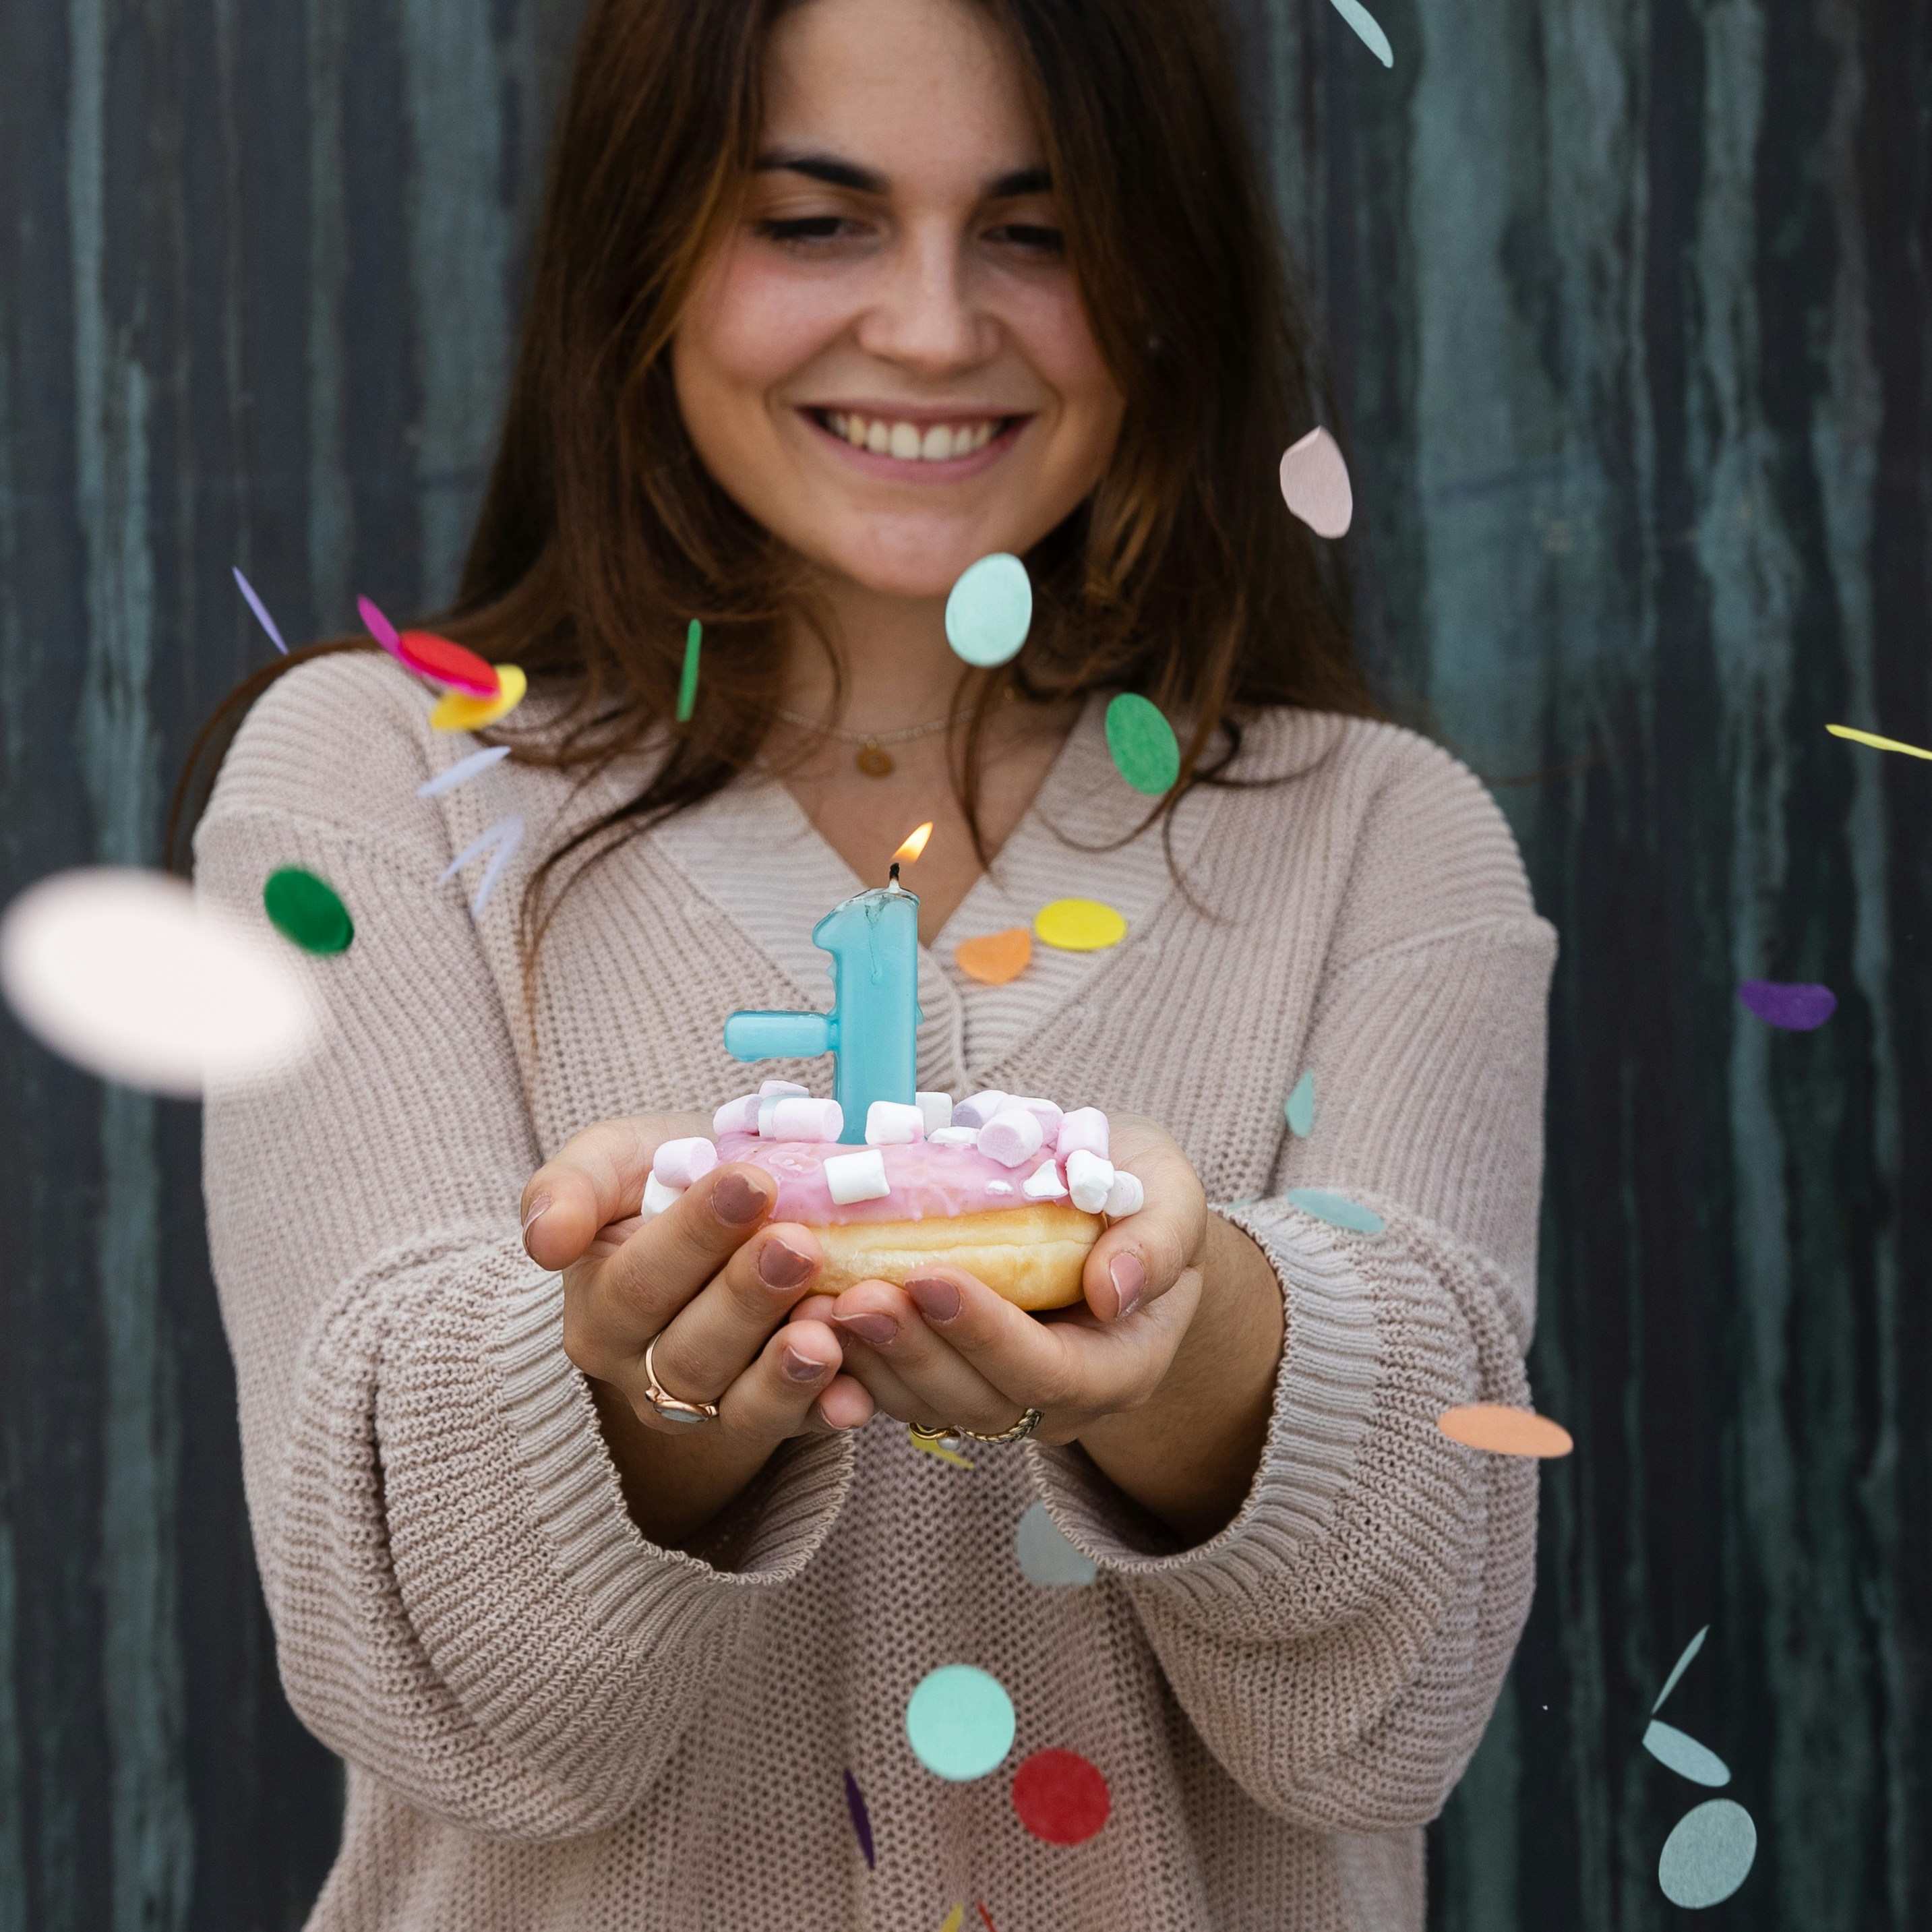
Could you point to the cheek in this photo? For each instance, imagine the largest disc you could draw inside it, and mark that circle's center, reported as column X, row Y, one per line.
column 1050, row 327
column 751, row 324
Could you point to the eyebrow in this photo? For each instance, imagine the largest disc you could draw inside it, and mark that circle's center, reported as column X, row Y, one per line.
column 836, row 173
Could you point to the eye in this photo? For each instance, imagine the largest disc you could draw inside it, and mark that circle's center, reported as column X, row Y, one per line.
column 1035, row 238
column 807, row 228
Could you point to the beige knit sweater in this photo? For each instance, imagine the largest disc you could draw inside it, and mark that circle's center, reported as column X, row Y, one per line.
column 551, row 1722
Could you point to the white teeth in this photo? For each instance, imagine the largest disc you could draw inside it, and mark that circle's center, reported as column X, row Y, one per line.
column 940, row 442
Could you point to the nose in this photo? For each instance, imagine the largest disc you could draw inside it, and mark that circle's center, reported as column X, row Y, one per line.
column 925, row 317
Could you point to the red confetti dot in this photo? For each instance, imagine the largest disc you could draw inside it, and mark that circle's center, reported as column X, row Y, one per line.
column 431, row 656
column 1060, row 1797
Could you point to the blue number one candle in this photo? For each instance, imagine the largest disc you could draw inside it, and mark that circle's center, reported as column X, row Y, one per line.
column 872, row 1031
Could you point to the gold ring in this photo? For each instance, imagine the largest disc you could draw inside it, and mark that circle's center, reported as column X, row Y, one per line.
column 932, row 1438
column 669, row 1409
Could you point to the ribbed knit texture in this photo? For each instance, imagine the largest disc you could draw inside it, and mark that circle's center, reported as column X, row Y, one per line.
column 551, row 1722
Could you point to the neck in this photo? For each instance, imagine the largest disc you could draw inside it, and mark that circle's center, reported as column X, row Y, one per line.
column 898, row 668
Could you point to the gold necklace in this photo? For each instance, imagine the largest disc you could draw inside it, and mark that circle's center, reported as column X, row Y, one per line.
column 873, row 759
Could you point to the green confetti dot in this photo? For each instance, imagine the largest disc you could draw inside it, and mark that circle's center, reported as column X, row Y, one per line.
column 990, row 611
column 1300, row 1107
column 687, row 689
column 1337, row 1210
column 1146, row 753
column 959, row 1721
column 308, row 911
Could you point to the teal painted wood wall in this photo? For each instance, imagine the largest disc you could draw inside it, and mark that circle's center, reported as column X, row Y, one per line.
column 1628, row 306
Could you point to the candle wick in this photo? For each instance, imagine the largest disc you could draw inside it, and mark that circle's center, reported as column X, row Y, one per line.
column 893, row 884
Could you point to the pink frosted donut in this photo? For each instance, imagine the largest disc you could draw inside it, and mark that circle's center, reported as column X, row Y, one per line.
column 945, row 1204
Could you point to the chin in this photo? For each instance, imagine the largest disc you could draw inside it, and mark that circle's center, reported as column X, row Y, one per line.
column 909, row 558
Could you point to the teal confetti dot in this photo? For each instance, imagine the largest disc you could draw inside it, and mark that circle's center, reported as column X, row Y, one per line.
column 308, row 911
column 1368, row 30
column 1046, row 1559
column 1337, row 1210
column 959, row 1722
column 1678, row 1669
column 1146, row 752
column 1708, row 1855
column 990, row 611
column 1684, row 1755
column 1300, row 1107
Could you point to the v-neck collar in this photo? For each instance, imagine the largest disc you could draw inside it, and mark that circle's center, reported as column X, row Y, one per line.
column 1067, row 844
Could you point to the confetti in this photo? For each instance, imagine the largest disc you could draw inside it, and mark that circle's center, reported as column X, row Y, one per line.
column 1877, row 744
column 308, row 911
column 379, row 628
column 463, row 771
column 506, row 835
column 862, row 1819
column 261, row 611
column 1145, row 751
column 1503, row 1431
column 1337, row 1210
column 1708, row 1855
column 934, row 1446
column 1371, row 36
column 959, row 1722
column 1678, row 1669
column 1299, row 1110
column 1061, row 1797
column 998, row 957
column 990, row 611
column 687, row 687
column 1079, row 925
column 430, row 656
column 1684, row 1755
column 124, row 974
column 985, row 1915
column 1315, row 482
column 1795, row 1007
column 954, row 1919
column 1046, row 1558
column 457, row 712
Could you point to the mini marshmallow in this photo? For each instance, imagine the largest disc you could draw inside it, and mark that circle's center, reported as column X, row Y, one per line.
column 1126, row 1195
column 794, row 1119
column 657, row 1197
column 1049, row 1113
column 892, row 1123
column 1011, row 1136
column 954, row 1137
column 979, row 1110
column 1090, row 1180
column 999, row 1187
column 737, row 1117
column 678, row 1163
column 857, row 1176
column 936, row 1110
column 782, row 1090
column 1083, row 1130
column 1044, row 1184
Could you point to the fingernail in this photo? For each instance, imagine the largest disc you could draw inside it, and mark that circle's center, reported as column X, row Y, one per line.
column 801, row 1368
column 781, row 1267
column 1129, row 1276
column 877, row 1329
column 735, row 1200
column 535, row 1215
column 937, row 1298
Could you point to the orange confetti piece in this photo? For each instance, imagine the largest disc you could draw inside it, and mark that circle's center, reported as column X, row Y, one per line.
column 998, row 957
column 1503, row 1431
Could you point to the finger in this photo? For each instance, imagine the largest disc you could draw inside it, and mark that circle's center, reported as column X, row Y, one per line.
column 912, row 1372
column 1137, row 1260
column 708, row 1343
column 794, row 1376
column 598, row 1176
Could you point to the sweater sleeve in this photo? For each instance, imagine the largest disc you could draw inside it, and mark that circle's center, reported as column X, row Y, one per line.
column 1339, row 1646
column 463, row 1606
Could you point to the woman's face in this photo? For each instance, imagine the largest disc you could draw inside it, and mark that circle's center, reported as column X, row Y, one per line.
column 887, row 363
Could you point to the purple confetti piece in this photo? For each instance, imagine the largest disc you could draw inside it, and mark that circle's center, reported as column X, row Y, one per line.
column 379, row 628
column 261, row 611
column 463, row 772
column 1797, row 1006
column 861, row 1822
column 506, row 835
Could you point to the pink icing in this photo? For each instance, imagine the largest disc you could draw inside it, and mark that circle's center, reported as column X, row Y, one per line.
column 928, row 1182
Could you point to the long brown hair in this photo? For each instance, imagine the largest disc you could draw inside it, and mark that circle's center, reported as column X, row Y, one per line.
column 601, row 534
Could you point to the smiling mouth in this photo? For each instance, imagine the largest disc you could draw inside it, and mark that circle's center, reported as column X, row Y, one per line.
column 914, row 443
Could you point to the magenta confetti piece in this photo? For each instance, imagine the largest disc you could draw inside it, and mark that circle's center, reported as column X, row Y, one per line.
column 1797, row 1006
column 379, row 628
column 261, row 611
column 861, row 1821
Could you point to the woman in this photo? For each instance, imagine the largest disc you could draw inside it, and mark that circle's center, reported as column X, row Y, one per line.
column 833, row 299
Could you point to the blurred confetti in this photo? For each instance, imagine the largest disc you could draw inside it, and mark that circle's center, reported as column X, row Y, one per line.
column 463, row 771
column 1299, row 1110
column 687, row 687
column 1046, row 1559
column 1797, row 1006
column 1145, row 751
column 990, row 611
column 1337, row 1210
column 1876, row 743
column 308, row 911
column 1371, row 34
column 505, row 836
column 430, row 656
column 1678, row 1669
column 998, row 957
column 456, row 712
column 861, row 1819
column 261, row 611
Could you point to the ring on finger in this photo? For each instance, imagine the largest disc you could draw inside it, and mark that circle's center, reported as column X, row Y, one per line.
column 1020, row 1431
column 668, row 1407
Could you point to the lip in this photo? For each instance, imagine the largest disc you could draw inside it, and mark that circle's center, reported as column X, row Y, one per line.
column 914, row 470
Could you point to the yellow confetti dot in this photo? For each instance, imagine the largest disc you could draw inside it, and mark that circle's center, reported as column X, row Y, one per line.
column 1080, row 926
column 953, row 1918
column 457, row 713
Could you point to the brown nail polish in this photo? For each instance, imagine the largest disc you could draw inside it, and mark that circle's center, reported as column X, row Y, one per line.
column 877, row 1329
column 937, row 1298
column 1128, row 1273
column 735, row 1200
column 781, row 1267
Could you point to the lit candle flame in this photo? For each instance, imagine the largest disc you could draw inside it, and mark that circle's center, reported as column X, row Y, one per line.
column 914, row 846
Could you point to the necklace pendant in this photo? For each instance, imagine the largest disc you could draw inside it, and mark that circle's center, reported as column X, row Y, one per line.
column 874, row 761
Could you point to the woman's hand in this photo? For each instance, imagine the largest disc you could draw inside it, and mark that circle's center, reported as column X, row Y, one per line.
column 1165, row 1377
column 711, row 1283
